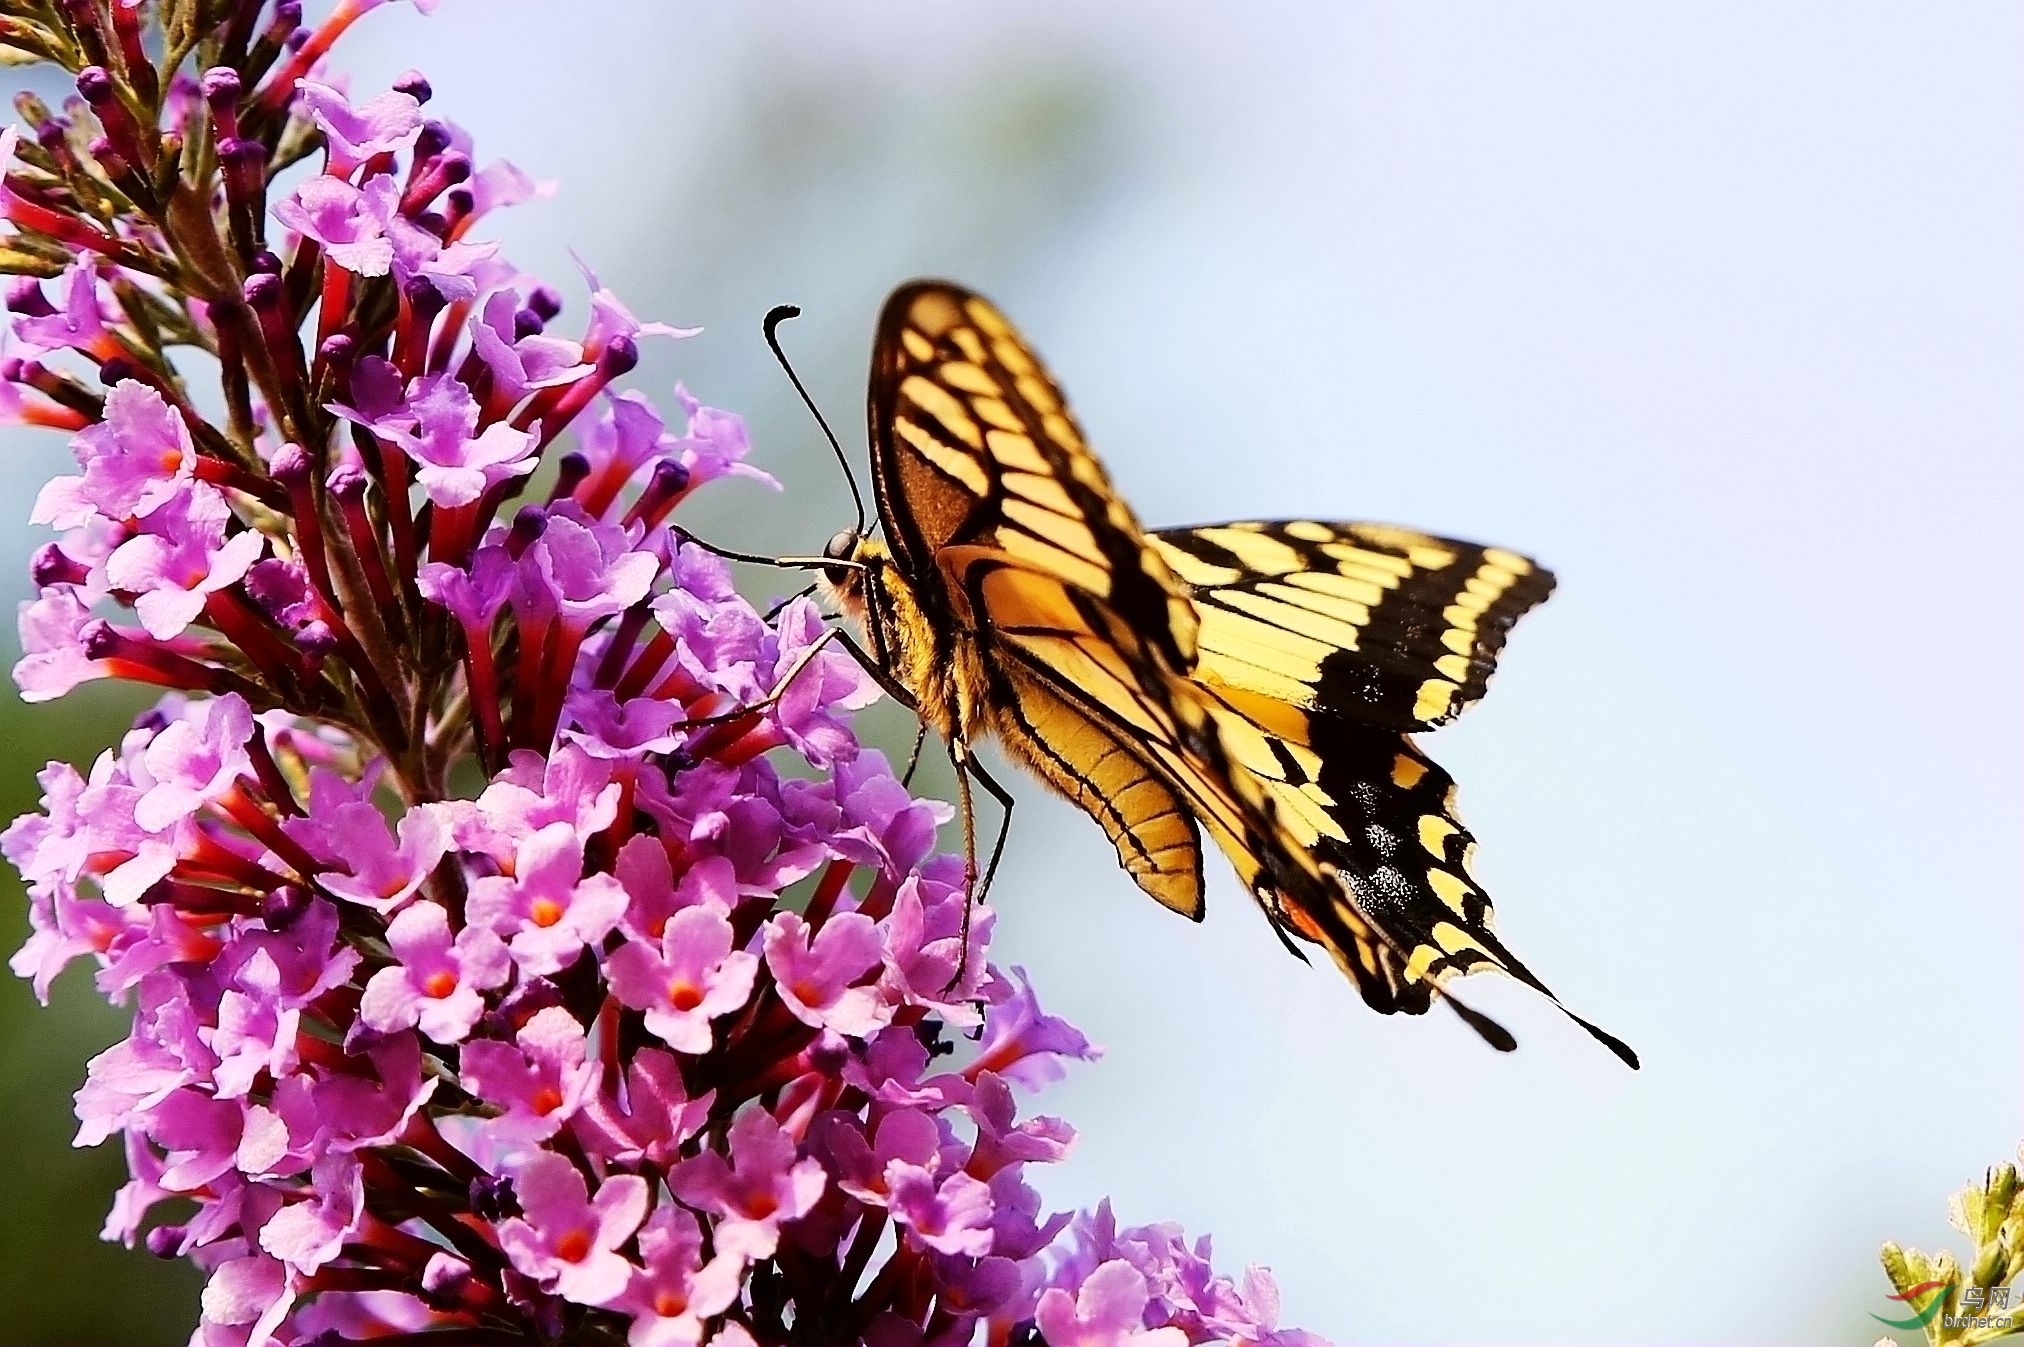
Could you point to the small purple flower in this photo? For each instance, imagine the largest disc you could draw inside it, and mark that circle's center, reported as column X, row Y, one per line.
column 590, row 569
column 386, row 864
column 692, row 977
column 952, row 1217
column 307, row 1234
column 141, row 1192
column 715, row 444
column 1001, row 1142
column 249, row 1294
column 124, row 1084
column 456, row 270
column 475, row 596
column 180, row 558
column 1025, row 1044
column 337, row 215
column 829, row 682
column 1108, row 1310
column 817, row 976
column 501, row 184
column 905, row 1138
column 675, row 1291
column 253, row 1037
column 539, row 1080
column 619, row 440
column 568, row 1240
column 383, row 124
column 568, row 786
column 924, row 943
column 291, row 968
column 135, row 460
column 281, row 588
column 752, row 1192
column 370, row 1105
column 199, row 1134
column 379, row 398
column 548, row 909
column 606, row 727
column 438, row 983
column 644, row 869
column 77, row 321
column 656, row 1118
column 520, row 364
column 611, row 319
column 455, row 461
column 52, row 650
column 194, row 760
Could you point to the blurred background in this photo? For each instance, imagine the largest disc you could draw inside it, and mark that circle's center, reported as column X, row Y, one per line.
column 1721, row 316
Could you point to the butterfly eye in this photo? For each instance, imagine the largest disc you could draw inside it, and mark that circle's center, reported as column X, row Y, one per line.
column 841, row 548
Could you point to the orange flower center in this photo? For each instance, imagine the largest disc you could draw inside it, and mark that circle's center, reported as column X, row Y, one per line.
column 546, row 1100
column 440, row 983
column 761, row 1205
column 573, row 1246
column 668, row 1304
column 808, row 993
column 545, row 912
column 685, row 995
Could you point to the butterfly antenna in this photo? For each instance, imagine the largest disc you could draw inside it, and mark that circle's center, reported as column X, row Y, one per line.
column 688, row 539
column 775, row 316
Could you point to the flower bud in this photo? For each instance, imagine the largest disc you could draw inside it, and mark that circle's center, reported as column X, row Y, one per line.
column 95, row 84
column 492, row 1198
column 281, row 908
column 53, row 566
column 25, row 297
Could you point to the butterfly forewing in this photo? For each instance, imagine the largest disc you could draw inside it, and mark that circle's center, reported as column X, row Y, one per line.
column 971, row 432
column 1363, row 622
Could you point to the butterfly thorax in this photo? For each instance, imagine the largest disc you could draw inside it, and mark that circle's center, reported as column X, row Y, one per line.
column 922, row 651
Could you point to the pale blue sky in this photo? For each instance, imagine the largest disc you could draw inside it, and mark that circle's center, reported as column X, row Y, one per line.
column 1722, row 317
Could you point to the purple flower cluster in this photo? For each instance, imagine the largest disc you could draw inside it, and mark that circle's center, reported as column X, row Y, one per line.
column 520, row 945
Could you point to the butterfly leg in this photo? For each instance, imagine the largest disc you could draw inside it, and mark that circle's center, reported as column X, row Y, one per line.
column 914, row 758
column 973, row 890
column 779, row 607
column 889, row 685
column 771, row 699
column 1004, row 799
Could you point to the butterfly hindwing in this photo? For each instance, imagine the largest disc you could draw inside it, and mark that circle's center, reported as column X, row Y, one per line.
column 1363, row 622
column 1381, row 815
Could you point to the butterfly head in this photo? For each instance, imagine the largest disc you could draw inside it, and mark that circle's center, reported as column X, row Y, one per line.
column 841, row 553
column 855, row 569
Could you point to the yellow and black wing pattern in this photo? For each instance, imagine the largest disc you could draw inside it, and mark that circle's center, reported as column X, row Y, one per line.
column 1005, row 526
column 1248, row 679
column 975, row 447
column 1322, row 642
column 1370, row 623
column 1381, row 816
